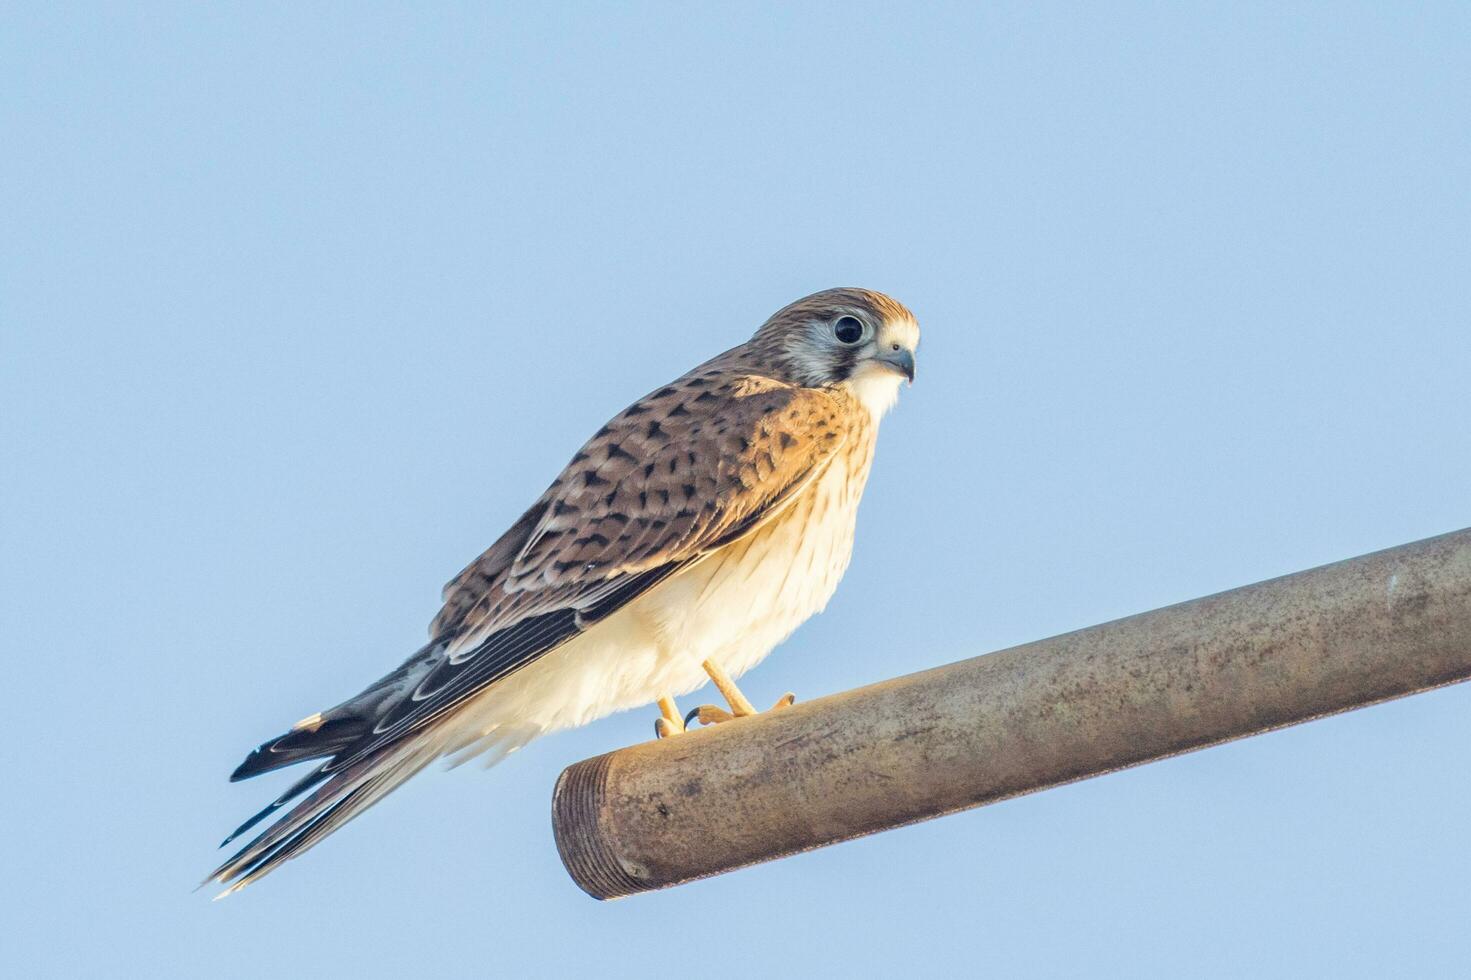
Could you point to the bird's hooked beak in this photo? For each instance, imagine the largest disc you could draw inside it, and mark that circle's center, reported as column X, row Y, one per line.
column 901, row 360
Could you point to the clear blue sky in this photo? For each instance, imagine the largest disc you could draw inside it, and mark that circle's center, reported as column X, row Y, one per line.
column 301, row 307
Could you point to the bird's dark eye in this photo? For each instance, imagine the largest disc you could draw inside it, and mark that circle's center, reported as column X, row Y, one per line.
column 848, row 329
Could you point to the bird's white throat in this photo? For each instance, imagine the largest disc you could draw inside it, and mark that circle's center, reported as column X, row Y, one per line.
column 876, row 387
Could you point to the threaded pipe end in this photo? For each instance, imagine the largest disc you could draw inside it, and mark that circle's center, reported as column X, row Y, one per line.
column 577, row 807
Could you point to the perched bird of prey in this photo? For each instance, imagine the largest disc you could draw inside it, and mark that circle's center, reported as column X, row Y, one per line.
column 692, row 534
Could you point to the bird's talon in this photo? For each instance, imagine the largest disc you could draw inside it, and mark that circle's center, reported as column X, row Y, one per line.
column 707, row 714
column 711, row 715
column 785, row 701
column 663, row 729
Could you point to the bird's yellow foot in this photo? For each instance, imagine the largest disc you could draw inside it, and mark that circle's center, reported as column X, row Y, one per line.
column 668, row 723
column 740, row 707
column 709, row 714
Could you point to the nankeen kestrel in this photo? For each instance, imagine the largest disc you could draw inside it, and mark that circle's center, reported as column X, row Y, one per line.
column 692, row 534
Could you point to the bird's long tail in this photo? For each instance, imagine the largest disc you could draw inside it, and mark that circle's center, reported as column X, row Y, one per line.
column 332, row 794
column 336, row 799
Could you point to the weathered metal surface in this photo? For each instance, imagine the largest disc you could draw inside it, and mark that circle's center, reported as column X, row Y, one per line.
column 1138, row 689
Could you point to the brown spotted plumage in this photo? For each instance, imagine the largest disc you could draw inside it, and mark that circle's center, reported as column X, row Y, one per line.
column 689, row 535
column 670, row 477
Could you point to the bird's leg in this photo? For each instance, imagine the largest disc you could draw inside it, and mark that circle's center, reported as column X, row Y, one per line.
column 740, row 707
column 669, row 722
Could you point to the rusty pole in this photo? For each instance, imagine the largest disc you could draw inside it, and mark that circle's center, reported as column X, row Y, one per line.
column 1134, row 690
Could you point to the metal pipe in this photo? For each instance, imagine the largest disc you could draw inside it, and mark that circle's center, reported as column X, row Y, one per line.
column 1131, row 691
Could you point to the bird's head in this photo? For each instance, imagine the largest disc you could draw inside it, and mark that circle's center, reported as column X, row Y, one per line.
column 849, row 337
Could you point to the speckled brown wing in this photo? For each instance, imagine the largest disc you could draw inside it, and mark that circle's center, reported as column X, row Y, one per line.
column 677, row 474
